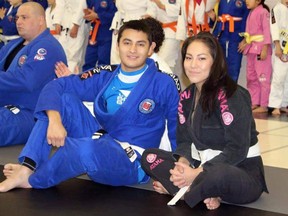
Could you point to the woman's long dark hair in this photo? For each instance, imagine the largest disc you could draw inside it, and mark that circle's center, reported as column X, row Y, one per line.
column 218, row 77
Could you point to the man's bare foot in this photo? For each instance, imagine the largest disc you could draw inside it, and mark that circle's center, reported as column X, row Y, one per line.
column 212, row 203
column 158, row 187
column 260, row 110
column 276, row 111
column 18, row 179
column 10, row 168
column 254, row 107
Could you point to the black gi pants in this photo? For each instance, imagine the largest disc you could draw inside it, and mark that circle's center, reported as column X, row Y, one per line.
column 234, row 184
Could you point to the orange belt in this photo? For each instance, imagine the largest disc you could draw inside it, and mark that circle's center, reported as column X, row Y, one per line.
column 94, row 32
column 53, row 32
column 171, row 25
column 194, row 28
column 226, row 17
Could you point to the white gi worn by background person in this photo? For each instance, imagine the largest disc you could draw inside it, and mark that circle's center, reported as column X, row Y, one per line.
column 126, row 10
column 166, row 11
column 279, row 32
column 198, row 12
column 72, row 38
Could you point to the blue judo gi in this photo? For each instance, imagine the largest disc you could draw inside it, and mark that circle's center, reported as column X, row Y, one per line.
column 230, row 40
column 20, row 85
column 100, row 51
column 140, row 121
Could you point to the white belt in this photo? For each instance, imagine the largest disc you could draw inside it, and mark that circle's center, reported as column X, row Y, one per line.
column 230, row 17
column 7, row 38
column 130, row 150
column 209, row 154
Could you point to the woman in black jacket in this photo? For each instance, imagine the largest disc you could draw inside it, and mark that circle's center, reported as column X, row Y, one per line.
column 218, row 156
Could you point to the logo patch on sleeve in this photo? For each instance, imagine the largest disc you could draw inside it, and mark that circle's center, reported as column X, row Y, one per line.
column 151, row 158
column 40, row 54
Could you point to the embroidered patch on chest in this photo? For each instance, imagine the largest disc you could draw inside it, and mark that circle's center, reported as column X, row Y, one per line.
column 146, row 106
column 22, row 60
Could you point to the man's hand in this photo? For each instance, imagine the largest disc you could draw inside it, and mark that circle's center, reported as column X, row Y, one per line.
column 56, row 132
column 2, row 12
column 90, row 14
column 57, row 29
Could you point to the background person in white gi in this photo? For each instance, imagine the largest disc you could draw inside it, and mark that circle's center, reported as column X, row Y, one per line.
column 196, row 18
column 279, row 33
column 69, row 14
column 127, row 10
column 166, row 11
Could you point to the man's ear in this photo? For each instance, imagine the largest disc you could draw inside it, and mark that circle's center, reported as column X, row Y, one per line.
column 151, row 49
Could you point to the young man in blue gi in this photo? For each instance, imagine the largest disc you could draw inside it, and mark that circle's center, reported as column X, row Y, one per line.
column 132, row 102
column 100, row 13
column 26, row 66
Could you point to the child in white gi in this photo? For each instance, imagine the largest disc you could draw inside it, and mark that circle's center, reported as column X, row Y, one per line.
column 126, row 10
column 279, row 32
column 49, row 14
column 193, row 17
column 166, row 11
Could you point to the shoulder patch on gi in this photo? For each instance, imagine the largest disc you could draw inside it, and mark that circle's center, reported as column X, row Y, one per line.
column 273, row 20
column 22, row 60
column 97, row 70
column 40, row 54
column 146, row 106
column 176, row 80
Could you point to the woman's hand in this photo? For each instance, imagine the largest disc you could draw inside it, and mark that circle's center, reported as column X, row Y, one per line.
column 61, row 70
column 183, row 175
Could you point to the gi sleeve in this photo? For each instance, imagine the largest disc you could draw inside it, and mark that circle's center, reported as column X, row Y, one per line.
column 36, row 70
column 265, row 18
column 84, row 87
column 274, row 23
column 172, row 99
column 183, row 135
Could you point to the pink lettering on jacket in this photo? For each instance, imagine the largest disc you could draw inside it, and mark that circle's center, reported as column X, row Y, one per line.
column 183, row 95
column 227, row 117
